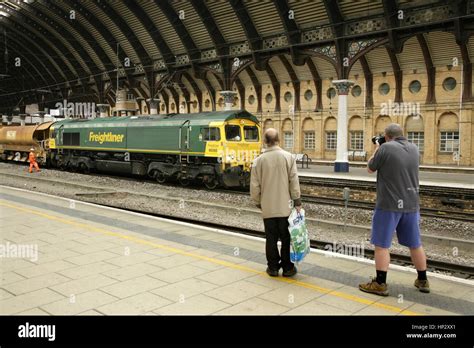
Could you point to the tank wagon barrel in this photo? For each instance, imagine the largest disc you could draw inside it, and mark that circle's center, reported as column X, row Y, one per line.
column 16, row 141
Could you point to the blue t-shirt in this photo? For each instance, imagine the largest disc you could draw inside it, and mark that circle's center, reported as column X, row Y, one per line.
column 396, row 163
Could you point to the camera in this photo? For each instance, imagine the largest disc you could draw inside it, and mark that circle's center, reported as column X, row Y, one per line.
column 380, row 139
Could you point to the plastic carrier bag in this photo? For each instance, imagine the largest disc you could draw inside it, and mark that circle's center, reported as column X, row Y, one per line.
column 300, row 246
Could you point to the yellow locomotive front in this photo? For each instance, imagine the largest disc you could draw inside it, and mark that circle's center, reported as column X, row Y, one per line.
column 236, row 143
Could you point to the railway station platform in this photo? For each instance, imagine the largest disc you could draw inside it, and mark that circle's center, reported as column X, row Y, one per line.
column 83, row 259
column 456, row 179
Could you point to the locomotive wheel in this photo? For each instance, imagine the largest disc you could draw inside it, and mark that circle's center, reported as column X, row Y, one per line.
column 71, row 167
column 83, row 168
column 184, row 181
column 160, row 177
column 212, row 184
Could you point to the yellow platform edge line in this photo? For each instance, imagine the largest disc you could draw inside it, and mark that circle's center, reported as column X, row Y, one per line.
column 224, row 263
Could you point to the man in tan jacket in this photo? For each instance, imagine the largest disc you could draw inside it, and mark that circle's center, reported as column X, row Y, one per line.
column 275, row 188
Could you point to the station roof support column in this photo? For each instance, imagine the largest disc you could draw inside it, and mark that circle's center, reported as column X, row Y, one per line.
column 229, row 97
column 153, row 105
column 343, row 87
column 103, row 110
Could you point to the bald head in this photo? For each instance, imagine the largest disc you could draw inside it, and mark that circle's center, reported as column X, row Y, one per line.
column 393, row 130
column 271, row 137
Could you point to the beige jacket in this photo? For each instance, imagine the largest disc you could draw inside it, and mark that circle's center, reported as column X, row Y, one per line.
column 274, row 183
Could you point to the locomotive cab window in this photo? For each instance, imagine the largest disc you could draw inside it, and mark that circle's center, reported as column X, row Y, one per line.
column 232, row 133
column 71, row 139
column 211, row 134
column 251, row 133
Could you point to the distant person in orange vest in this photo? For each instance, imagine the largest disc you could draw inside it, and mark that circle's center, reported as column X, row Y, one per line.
column 32, row 160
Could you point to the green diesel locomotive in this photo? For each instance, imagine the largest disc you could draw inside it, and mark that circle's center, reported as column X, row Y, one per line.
column 215, row 148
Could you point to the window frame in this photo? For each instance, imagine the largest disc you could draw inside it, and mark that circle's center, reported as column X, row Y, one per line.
column 289, row 138
column 233, row 125
column 453, row 148
column 417, row 140
column 257, row 133
column 354, row 141
column 306, row 140
column 203, row 131
column 327, row 139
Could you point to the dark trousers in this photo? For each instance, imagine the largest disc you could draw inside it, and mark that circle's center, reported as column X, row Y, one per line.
column 277, row 228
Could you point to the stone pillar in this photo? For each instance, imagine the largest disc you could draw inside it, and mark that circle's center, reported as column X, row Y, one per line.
column 153, row 105
column 229, row 97
column 103, row 110
column 139, row 103
column 22, row 119
column 342, row 163
column 41, row 116
column 9, row 120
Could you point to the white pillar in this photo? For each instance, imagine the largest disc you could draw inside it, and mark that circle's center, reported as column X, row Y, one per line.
column 153, row 105
column 22, row 119
column 103, row 110
column 41, row 116
column 229, row 97
column 342, row 163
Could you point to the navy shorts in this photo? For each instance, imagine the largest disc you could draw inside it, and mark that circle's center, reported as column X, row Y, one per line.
column 385, row 223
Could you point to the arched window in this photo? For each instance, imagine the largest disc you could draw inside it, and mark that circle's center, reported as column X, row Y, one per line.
column 267, row 124
column 356, row 134
column 415, row 131
column 309, row 136
column 330, row 129
column 382, row 123
column 448, row 127
column 287, row 129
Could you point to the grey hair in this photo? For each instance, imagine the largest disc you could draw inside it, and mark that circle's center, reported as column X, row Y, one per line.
column 394, row 130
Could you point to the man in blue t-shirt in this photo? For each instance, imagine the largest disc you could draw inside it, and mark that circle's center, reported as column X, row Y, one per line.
column 397, row 209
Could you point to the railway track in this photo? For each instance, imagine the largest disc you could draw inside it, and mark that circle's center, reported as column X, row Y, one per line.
column 454, row 192
column 428, row 212
column 464, row 216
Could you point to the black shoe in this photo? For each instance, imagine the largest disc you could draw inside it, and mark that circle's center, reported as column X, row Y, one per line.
column 272, row 272
column 290, row 273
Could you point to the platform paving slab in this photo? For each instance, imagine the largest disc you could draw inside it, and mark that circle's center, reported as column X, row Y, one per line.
column 133, row 286
column 79, row 303
column 195, row 305
column 23, row 302
column 179, row 273
column 290, row 296
column 35, row 283
column 185, row 288
column 45, row 268
column 224, row 276
column 132, row 271
column 316, row 308
column 254, row 306
column 134, row 305
column 78, row 272
column 237, row 292
column 81, row 285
